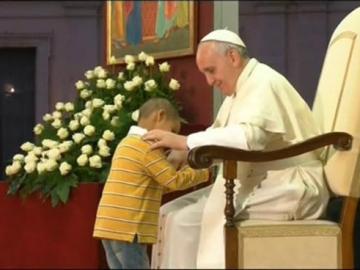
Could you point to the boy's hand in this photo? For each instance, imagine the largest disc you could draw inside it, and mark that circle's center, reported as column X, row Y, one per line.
column 178, row 158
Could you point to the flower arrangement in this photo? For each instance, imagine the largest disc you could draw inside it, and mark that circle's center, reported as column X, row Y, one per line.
column 75, row 142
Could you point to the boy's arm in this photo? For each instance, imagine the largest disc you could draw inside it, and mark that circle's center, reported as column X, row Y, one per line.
column 166, row 175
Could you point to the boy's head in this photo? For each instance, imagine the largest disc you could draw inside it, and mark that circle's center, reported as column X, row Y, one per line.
column 159, row 113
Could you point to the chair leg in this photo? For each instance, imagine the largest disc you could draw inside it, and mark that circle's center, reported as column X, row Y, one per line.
column 231, row 247
column 347, row 222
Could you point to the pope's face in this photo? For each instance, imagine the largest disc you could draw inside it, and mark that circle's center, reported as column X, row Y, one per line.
column 220, row 70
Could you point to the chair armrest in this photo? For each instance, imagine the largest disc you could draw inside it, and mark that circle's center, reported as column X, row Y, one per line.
column 204, row 156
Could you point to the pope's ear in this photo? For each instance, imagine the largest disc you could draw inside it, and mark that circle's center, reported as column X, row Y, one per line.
column 234, row 57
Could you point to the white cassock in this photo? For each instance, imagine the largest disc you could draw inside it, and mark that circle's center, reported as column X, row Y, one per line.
column 265, row 113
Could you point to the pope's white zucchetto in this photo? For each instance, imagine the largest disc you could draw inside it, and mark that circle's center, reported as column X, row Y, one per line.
column 224, row 35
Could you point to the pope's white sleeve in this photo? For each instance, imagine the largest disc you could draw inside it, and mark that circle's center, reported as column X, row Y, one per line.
column 243, row 136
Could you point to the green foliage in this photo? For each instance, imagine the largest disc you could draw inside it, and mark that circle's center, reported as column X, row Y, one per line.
column 75, row 142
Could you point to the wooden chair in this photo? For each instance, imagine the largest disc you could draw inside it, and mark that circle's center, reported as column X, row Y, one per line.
column 306, row 243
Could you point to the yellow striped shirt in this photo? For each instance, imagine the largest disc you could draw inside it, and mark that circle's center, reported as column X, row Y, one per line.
column 132, row 193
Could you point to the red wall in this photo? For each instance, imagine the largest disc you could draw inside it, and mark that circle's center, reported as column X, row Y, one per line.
column 195, row 95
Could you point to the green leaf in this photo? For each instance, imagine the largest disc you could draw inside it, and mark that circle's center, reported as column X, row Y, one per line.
column 63, row 191
column 64, row 187
column 16, row 184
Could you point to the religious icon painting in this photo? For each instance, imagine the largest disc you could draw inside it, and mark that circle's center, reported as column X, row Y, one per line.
column 163, row 29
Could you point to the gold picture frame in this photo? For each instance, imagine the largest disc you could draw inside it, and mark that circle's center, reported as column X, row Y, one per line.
column 163, row 29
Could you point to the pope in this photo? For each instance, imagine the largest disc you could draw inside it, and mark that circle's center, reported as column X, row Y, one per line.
column 261, row 111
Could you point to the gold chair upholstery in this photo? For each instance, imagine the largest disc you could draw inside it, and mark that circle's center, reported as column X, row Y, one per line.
column 306, row 243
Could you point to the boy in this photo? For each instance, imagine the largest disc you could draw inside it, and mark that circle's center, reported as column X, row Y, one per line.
column 128, row 212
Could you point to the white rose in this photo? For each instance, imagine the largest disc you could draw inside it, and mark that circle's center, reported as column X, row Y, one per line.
column 164, row 67
column 78, row 137
column 88, row 111
column 56, row 123
column 95, row 161
column 97, row 102
column 104, row 151
column 86, row 149
column 135, row 115
column 82, row 160
column 69, row 106
column 112, row 60
column 18, row 157
column 102, row 74
column 32, row 152
column 77, row 116
column 119, row 105
column 59, row 106
column 150, row 85
column 37, row 150
column 40, row 167
column 129, row 85
column 9, row 170
column 28, row 146
column 65, row 146
column 30, row 167
column 89, row 130
column 12, row 169
column 115, row 121
column 129, row 59
column 130, row 66
column 121, row 75
column 54, row 154
column 31, row 157
column 74, row 125
column 84, row 94
column 149, row 61
column 110, row 83
column 174, row 84
column 100, row 83
column 101, row 143
column 89, row 74
column 118, row 100
column 49, row 143
column 142, row 56
column 79, row 85
column 110, row 108
column 106, row 115
column 51, row 165
column 63, row 133
column 137, row 80
column 84, row 121
column 97, row 70
column 88, row 104
column 38, row 129
column 17, row 164
column 108, row 135
column 65, row 168
column 56, row 114
column 47, row 117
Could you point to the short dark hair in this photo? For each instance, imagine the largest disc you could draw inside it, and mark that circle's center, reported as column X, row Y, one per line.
column 155, row 104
